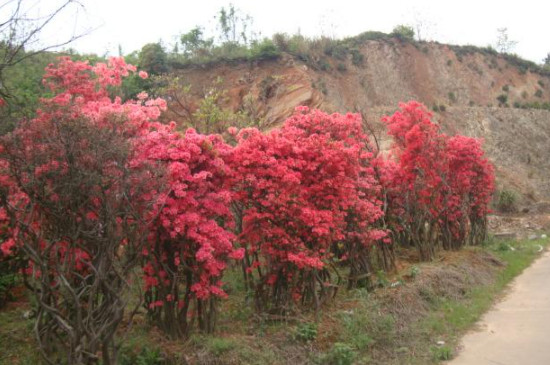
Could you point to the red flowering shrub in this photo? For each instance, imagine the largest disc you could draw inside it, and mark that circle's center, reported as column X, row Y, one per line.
column 75, row 206
column 189, row 243
column 417, row 183
column 435, row 184
column 470, row 183
column 366, row 238
column 302, row 192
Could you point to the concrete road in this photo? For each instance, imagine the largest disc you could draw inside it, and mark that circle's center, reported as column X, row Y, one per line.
column 517, row 330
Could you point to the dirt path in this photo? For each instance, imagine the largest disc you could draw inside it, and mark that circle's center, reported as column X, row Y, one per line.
column 516, row 331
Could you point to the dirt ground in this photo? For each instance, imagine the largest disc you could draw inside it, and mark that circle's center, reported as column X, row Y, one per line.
column 526, row 225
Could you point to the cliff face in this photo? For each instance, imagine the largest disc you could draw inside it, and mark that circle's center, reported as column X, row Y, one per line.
column 468, row 85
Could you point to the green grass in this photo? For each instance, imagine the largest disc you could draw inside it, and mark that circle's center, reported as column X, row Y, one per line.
column 451, row 319
column 16, row 338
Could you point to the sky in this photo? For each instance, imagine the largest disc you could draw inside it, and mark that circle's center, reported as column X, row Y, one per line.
column 131, row 24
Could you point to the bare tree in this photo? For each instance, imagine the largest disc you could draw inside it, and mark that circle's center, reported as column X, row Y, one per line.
column 21, row 28
column 504, row 43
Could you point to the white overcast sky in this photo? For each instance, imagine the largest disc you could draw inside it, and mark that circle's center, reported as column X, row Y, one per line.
column 131, row 24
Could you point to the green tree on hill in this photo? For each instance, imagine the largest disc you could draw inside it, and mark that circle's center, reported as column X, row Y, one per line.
column 152, row 58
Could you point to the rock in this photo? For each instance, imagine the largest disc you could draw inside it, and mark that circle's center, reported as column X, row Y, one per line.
column 543, row 236
column 440, row 343
column 533, row 237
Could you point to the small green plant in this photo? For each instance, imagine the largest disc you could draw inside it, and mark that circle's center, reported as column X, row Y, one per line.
column 442, row 353
column 524, row 94
column 382, row 279
column 452, row 97
column 147, row 356
column 342, row 67
column 324, row 65
column 442, row 108
column 507, row 201
column 415, row 270
column 339, row 354
column 305, row 332
column 506, row 88
column 541, row 83
column 538, row 93
column 503, row 246
column 502, row 99
column 219, row 345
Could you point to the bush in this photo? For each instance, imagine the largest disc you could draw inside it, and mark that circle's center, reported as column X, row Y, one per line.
column 403, row 32
column 357, row 57
column 264, row 50
column 452, row 97
column 306, row 332
column 507, row 200
column 502, row 99
column 340, row 354
column 341, row 67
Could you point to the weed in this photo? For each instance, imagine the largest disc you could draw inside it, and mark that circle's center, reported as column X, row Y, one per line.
column 220, row 345
column 340, row 354
column 415, row 270
column 305, row 332
column 502, row 99
column 442, row 353
column 341, row 67
column 382, row 279
column 452, row 97
column 507, row 201
column 147, row 356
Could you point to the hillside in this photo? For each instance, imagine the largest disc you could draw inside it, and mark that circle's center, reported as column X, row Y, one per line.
column 476, row 92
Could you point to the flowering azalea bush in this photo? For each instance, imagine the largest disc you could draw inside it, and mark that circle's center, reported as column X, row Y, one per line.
column 439, row 186
column 367, row 246
column 75, row 206
column 470, row 185
column 189, row 243
column 305, row 197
